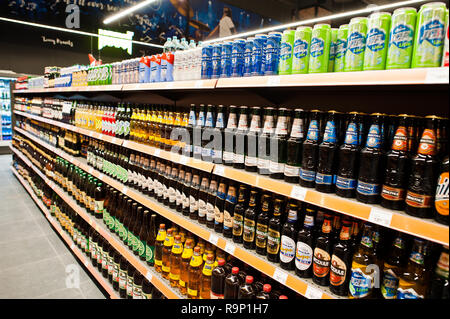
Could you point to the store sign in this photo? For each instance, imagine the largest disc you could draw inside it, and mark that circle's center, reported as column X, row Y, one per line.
column 57, row 41
column 115, row 39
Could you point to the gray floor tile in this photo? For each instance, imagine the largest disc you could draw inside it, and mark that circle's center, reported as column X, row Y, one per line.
column 91, row 291
column 19, row 230
column 69, row 259
column 20, row 213
column 67, row 293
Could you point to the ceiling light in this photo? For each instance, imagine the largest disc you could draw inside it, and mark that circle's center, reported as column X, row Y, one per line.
column 127, row 11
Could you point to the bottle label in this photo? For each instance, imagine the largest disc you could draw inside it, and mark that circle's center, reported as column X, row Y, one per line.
column 249, row 230
column 251, row 161
column 389, row 285
column 177, row 248
column 196, row 261
column 317, row 47
column 291, row 171
column 238, row 225
column 192, row 292
column 351, row 136
column 360, row 283
column 367, row 241
column 209, row 212
column 374, row 137
column 149, row 254
column 433, row 32
column 418, row 200
column 321, row 263
column 261, row 235
column 273, row 242
column 201, row 208
column 338, row 271
column 287, row 249
column 303, row 256
column 218, row 215
column 309, row 176
column 324, row 179
column 227, row 220
column 238, row 158
column 130, row 286
column 356, row 43
column 187, row 253
column 427, row 144
column 409, row 293
column 297, row 128
column 228, row 156
column 122, row 279
column 345, row 183
column 165, row 268
column 368, row 189
column 193, row 204
column 313, row 131
column 330, row 133
column 402, row 36
column 442, row 265
column 392, row 194
column 400, row 142
column 376, row 39
column 441, row 199
column 207, row 269
column 276, row 167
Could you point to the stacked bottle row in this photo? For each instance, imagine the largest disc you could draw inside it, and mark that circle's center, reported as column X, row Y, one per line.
column 109, row 262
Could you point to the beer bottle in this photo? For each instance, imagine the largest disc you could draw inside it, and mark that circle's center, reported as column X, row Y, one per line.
column 184, row 267
column 219, row 206
column 188, row 133
column 218, row 280
column 185, row 191
column 362, row 279
column 160, row 238
column 167, row 182
column 228, row 211
column 137, row 285
column 205, row 286
column 115, row 276
column 193, row 195
column 232, row 284
column 211, row 200
column 150, row 241
column 393, row 267
column 341, row 262
column 441, row 197
column 218, row 134
column 264, row 142
column 305, row 245
column 288, row 237
column 238, row 215
column 441, row 137
column 172, row 187
column 397, row 162
column 175, row 262
column 328, row 155
column 239, row 137
column 123, row 269
column 274, row 233
column 278, row 145
column 229, row 138
column 439, row 285
column 130, row 275
column 294, row 148
column 310, row 151
column 371, row 164
column 262, row 225
column 147, row 289
column 197, row 132
column 424, row 173
column 251, row 140
column 412, row 283
column 247, row 291
column 250, row 216
column 166, row 252
column 202, row 199
column 207, row 135
column 179, row 188
column 130, row 236
column 100, row 195
column 322, row 253
column 195, row 272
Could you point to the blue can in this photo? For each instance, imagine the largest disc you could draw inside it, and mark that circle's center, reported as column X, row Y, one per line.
column 272, row 53
column 258, row 57
column 237, row 58
column 216, row 58
column 226, row 67
column 207, row 52
column 248, row 56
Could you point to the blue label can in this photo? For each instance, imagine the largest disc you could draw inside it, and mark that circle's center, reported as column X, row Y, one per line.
column 272, row 53
column 226, row 68
column 237, row 58
column 207, row 52
column 248, row 56
column 258, row 58
column 216, row 58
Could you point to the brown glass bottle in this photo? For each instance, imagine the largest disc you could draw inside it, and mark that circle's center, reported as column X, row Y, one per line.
column 305, row 245
column 202, row 199
column 159, row 247
column 238, row 215
column 262, row 225
column 250, row 215
column 193, row 195
column 288, row 237
column 210, row 202
column 322, row 253
column 219, row 205
column 274, row 233
column 441, row 196
column 341, row 262
column 228, row 211
column 166, row 252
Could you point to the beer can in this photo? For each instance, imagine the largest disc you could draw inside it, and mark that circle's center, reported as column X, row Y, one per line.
column 333, row 44
column 445, row 55
column 286, row 52
column 272, row 54
column 320, row 48
column 237, row 58
column 258, row 58
column 207, row 51
column 356, row 44
column 429, row 37
column 302, row 43
column 248, row 56
column 377, row 41
column 226, row 68
column 216, row 58
column 401, row 38
column 341, row 48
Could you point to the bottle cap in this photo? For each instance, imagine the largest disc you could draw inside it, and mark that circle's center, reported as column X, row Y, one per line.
column 283, row 297
column 235, row 270
column 221, row 262
column 249, row 279
column 267, row 288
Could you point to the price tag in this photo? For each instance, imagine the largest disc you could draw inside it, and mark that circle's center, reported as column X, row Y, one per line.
column 125, row 190
column 437, row 75
column 219, row 170
column 91, row 170
column 298, row 193
column 169, row 85
column 380, row 216
column 157, row 152
column 91, row 134
column 213, row 239
column 86, row 263
column 183, row 160
column 114, row 140
column 230, row 248
column 280, row 276
column 313, row 293
column 149, row 276
column 199, row 84
column 273, row 81
column 72, row 246
column 100, row 176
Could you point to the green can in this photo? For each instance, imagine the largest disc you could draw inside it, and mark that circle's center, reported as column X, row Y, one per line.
column 377, row 41
column 302, row 44
column 320, row 48
column 401, row 39
column 286, row 52
column 356, row 44
column 341, row 48
column 333, row 43
column 429, row 38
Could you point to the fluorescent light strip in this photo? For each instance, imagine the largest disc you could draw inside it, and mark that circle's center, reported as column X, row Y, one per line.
column 44, row 26
column 316, row 20
column 127, row 11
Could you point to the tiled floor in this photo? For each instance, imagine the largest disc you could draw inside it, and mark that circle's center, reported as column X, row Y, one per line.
column 33, row 258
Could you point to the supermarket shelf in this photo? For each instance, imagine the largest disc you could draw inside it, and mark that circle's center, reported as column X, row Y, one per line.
column 424, row 228
column 149, row 273
column 97, row 88
column 5, row 143
column 100, row 279
column 178, row 85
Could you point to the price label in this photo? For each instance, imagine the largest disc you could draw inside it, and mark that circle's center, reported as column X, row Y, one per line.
column 114, row 140
column 183, row 160
column 298, row 193
column 91, row 170
column 437, row 75
column 273, row 80
column 100, row 176
column 230, row 248
column 213, row 239
column 199, row 84
column 86, row 263
column 313, row 293
column 72, row 246
column 280, row 276
column 380, row 216
column 125, row 190
column 169, row 85
column 219, row 170
column 91, row 134
column 149, row 276
column 157, row 152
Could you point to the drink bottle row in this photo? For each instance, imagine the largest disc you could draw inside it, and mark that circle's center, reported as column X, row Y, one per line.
column 110, row 263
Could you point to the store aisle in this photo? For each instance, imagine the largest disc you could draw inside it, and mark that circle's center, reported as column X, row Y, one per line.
column 33, row 258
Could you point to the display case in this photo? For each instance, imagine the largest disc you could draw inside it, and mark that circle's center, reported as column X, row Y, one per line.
column 5, row 109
